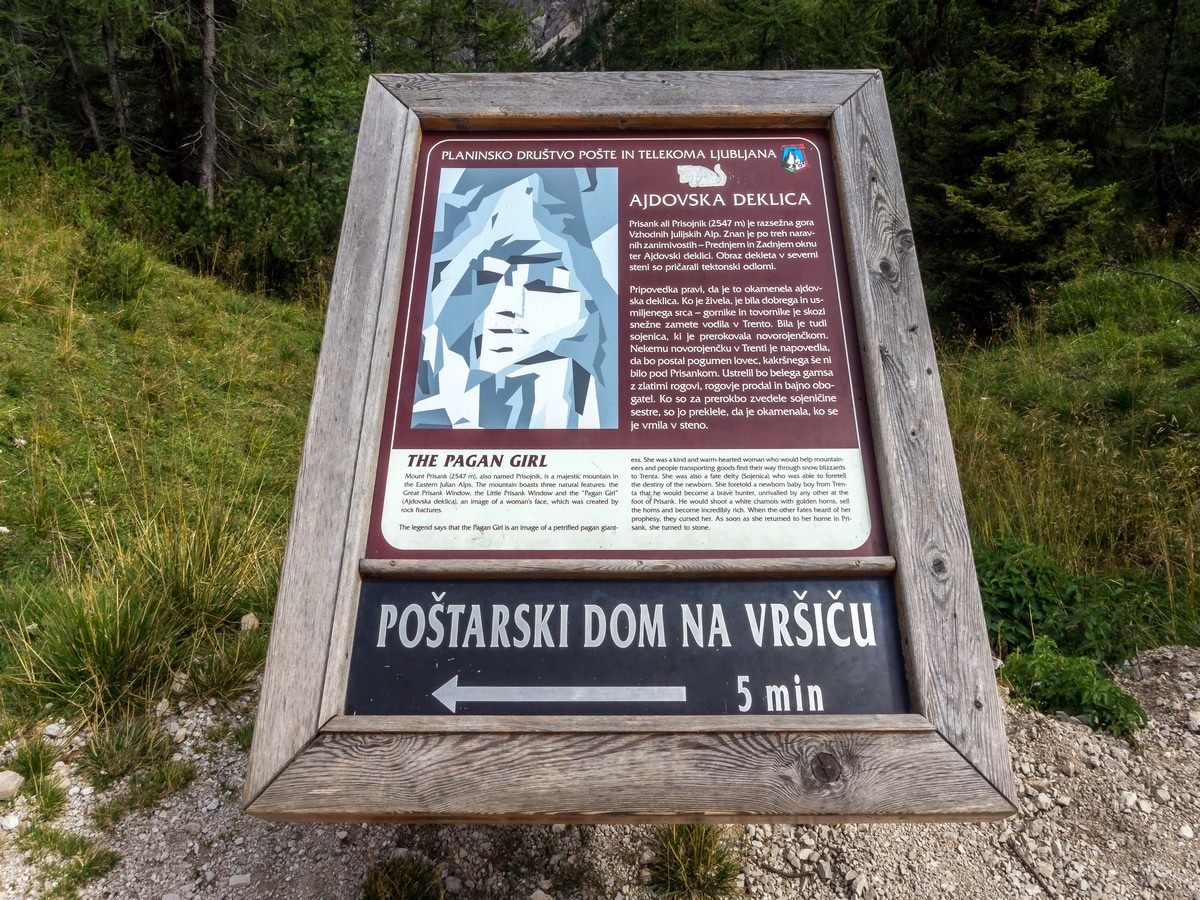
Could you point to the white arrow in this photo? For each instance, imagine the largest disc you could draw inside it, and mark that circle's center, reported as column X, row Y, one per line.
column 450, row 694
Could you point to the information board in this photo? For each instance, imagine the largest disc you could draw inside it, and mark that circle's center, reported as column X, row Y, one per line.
column 636, row 345
column 627, row 648
column 627, row 492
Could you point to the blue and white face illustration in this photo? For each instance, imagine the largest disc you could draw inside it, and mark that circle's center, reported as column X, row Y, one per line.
column 521, row 302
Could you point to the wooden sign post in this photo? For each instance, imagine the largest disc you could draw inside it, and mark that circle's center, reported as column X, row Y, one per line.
column 628, row 492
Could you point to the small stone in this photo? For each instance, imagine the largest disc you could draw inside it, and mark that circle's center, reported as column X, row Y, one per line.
column 1185, row 832
column 1145, row 805
column 1044, row 802
column 213, row 805
column 453, row 885
column 10, row 822
column 10, row 784
column 859, row 885
column 171, row 896
column 192, row 828
column 240, row 880
column 342, row 835
column 250, row 622
column 1129, row 799
column 53, row 730
column 824, row 869
column 558, row 828
column 539, row 894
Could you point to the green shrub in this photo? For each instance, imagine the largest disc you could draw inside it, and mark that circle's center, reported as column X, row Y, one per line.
column 110, row 270
column 693, row 862
column 404, row 878
column 1051, row 681
column 1027, row 594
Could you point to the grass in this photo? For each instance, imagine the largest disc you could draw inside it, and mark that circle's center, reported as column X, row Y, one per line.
column 122, row 748
column 34, row 760
column 150, row 432
column 1078, row 445
column 403, row 878
column 145, row 472
column 1080, row 436
column 693, row 862
column 145, row 789
column 71, row 860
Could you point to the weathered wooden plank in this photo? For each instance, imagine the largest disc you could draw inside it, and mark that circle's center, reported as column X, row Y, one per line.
column 289, row 709
column 951, row 678
column 379, row 355
column 622, row 724
column 861, row 566
column 732, row 777
column 632, row 100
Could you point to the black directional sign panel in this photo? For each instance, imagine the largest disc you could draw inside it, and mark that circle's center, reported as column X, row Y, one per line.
column 626, row 648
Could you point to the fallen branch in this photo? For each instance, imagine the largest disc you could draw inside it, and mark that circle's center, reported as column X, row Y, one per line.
column 1019, row 852
column 1193, row 292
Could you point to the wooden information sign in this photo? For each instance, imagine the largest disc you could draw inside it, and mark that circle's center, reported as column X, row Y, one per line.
column 628, row 493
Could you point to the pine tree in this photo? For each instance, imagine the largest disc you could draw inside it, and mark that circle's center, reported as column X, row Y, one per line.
column 994, row 116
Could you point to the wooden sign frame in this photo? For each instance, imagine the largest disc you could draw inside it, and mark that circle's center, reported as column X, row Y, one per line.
column 946, row 760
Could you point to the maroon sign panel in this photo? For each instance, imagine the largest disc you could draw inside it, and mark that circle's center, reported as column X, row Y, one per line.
column 634, row 346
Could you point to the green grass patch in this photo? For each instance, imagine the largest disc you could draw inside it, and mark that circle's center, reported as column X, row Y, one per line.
column 123, row 747
column 150, row 430
column 692, row 862
column 1078, row 444
column 1080, row 437
column 406, row 878
column 34, row 760
column 144, row 790
column 69, row 860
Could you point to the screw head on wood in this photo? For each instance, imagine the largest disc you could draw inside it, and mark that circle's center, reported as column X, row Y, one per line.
column 826, row 768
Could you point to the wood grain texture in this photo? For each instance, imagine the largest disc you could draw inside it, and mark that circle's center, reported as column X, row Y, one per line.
column 951, row 678
column 624, row 100
column 378, row 354
column 289, row 709
column 626, row 568
column 622, row 724
column 731, row 777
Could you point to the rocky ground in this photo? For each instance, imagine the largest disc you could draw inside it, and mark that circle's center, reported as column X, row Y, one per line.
column 1097, row 819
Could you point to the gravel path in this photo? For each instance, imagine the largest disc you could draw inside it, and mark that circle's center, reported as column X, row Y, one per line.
column 1097, row 819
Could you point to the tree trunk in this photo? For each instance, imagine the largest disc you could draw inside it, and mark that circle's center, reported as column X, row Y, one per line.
column 81, row 92
column 208, row 126
column 114, row 81
column 23, row 112
column 1162, row 192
